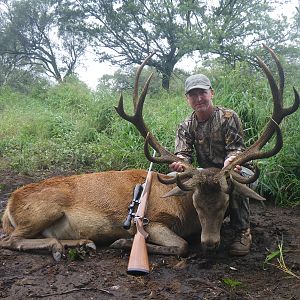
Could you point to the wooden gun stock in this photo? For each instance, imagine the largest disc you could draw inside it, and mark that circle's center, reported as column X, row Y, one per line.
column 138, row 260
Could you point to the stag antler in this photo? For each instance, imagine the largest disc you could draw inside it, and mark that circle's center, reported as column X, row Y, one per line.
column 279, row 113
column 137, row 120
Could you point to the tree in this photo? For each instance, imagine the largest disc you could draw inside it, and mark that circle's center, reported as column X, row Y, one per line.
column 123, row 80
column 237, row 28
column 292, row 50
column 298, row 14
column 126, row 31
column 33, row 33
column 7, row 67
column 297, row 22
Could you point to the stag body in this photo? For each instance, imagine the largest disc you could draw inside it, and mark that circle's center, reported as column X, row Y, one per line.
column 89, row 208
column 82, row 209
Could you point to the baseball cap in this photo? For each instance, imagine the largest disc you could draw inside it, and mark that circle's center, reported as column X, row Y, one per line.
column 197, row 81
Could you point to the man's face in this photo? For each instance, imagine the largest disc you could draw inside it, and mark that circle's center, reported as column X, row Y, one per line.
column 200, row 100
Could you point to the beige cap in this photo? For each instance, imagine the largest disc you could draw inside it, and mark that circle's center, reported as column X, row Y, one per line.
column 197, row 81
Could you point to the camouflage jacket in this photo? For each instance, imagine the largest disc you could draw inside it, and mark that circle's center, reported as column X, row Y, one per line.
column 213, row 140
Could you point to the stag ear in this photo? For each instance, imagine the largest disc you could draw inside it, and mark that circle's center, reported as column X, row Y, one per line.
column 176, row 191
column 246, row 191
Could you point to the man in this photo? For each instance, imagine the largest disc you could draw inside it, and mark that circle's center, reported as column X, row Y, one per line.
column 215, row 135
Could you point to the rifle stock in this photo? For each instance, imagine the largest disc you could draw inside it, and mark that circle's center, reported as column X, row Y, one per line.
column 138, row 260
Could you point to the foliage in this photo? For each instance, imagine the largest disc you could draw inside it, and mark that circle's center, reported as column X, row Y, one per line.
column 67, row 127
column 21, row 80
column 125, row 79
column 35, row 33
column 51, row 36
column 127, row 31
column 231, row 282
column 77, row 254
column 280, row 260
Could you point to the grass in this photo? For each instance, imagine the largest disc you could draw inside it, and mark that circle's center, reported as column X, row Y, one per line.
column 280, row 261
column 232, row 284
column 68, row 127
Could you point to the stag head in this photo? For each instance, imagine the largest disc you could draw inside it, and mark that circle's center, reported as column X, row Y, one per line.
column 211, row 188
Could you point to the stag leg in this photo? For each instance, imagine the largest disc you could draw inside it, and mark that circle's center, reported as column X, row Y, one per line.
column 78, row 243
column 24, row 236
column 14, row 242
column 57, row 247
column 169, row 242
column 161, row 240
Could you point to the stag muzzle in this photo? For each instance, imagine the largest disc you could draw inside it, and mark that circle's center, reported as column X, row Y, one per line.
column 210, row 244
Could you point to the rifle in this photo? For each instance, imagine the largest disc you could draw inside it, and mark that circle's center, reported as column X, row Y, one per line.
column 137, row 191
column 138, row 260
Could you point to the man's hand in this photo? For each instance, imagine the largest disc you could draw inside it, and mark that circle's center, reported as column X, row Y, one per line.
column 227, row 161
column 177, row 166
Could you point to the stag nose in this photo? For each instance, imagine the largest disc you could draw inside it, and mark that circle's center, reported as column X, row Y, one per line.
column 210, row 245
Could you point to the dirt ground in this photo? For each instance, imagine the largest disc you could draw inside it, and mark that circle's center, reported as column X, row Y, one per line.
column 102, row 275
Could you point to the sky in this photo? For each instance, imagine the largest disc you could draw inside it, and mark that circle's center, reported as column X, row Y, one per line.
column 90, row 71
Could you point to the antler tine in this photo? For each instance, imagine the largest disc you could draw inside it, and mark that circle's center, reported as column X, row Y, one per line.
column 247, row 180
column 174, row 179
column 165, row 156
column 253, row 153
column 136, row 82
column 279, row 68
column 183, row 186
column 294, row 107
column 279, row 112
column 272, row 126
column 136, row 119
column 120, row 110
column 138, row 116
column 274, row 88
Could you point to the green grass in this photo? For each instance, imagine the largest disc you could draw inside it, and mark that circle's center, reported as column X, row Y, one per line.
column 68, row 127
column 280, row 263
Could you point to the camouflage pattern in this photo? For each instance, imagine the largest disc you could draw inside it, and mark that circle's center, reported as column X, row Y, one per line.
column 212, row 141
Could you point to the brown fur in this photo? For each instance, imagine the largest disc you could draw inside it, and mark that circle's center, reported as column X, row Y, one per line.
column 93, row 207
column 6, row 225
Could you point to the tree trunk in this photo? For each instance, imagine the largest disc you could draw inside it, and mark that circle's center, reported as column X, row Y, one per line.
column 166, row 75
column 165, row 82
